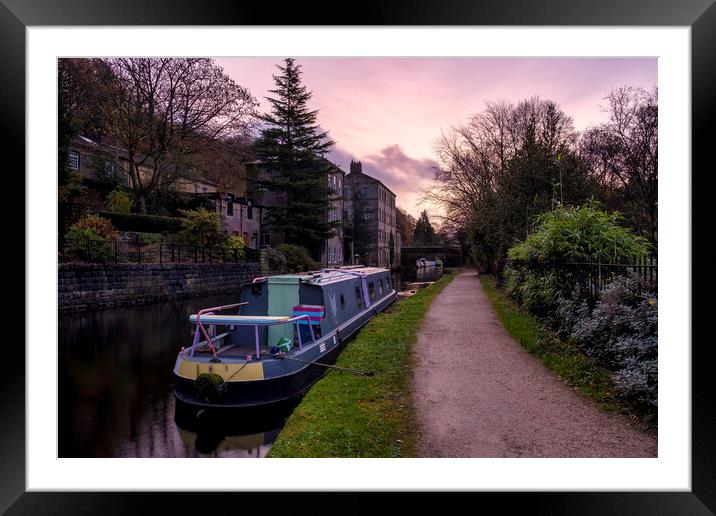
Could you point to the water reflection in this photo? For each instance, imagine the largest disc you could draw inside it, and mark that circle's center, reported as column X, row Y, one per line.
column 410, row 280
column 116, row 387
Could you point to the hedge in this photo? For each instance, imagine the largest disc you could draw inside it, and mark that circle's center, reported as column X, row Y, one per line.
column 143, row 223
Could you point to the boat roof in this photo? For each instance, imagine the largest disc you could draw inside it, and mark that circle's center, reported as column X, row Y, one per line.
column 327, row 276
column 239, row 319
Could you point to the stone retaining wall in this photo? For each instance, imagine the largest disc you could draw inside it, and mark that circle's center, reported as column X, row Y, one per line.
column 86, row 286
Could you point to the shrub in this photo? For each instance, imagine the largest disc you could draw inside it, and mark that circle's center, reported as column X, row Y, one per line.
column 119, row 201
column 536, row 290
column 98, row 226
column 144, row 223
column 297, row 258
column 234, row 246
column 90, row 239
column 621, row 332
column 202, row 228
column 276, row 261
column 149, row 238
column 584, row 232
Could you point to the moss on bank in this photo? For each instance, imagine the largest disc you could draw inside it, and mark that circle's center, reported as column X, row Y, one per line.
column 346, row 415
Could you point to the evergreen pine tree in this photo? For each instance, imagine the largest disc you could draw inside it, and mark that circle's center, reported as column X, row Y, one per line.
column 424, row 233
column 291, row 147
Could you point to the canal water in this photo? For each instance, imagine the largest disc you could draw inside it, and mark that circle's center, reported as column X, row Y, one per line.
column 116, row 387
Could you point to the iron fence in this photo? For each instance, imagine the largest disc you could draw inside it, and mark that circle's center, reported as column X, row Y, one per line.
column 122, row 251
column 589, row 277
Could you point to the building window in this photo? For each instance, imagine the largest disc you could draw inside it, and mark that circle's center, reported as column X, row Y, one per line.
column 229, row 208
column 265, row 239
column 74, row 160
column 250, row 212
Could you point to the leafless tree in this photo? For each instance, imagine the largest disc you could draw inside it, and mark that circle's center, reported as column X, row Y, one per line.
column 474, row 180
column 623, row 152
column 163, row 111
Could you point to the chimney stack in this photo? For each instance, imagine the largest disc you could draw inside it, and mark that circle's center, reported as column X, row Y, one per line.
column 356, row 167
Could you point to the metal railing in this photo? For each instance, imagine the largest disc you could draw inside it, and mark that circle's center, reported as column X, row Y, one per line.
column 590, row 276
column 201, row 330
column 122, row 251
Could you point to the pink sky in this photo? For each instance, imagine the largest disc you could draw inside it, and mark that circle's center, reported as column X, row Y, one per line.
column 387, row 112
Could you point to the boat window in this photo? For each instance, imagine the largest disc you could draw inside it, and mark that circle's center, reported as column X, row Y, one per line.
column 371, row 291
column 343, row 302
column 380, row 288
column 359, row 298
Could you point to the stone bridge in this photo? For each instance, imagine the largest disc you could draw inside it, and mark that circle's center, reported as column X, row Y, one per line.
column 451, row 256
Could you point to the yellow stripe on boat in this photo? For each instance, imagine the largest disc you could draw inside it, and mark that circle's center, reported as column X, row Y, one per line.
column 251, row 371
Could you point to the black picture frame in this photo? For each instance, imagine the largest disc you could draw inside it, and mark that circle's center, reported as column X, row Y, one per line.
column 700, row 15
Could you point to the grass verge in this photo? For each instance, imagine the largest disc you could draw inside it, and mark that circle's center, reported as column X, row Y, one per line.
column 579, row 370
column 346, row 415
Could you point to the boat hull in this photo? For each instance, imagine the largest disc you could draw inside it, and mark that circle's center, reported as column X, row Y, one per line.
column 282, row 379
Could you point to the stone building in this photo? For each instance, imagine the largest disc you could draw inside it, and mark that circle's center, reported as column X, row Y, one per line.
column 241, row 216
column 97, row 161
column 332, row 252
column 370, row 214
column 332, row 248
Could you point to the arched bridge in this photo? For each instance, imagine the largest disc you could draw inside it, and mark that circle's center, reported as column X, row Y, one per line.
column 451, row 256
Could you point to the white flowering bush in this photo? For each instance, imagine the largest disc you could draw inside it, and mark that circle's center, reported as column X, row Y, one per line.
column 621, row 333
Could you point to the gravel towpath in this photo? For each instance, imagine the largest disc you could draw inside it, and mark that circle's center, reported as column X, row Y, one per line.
column 478, row 393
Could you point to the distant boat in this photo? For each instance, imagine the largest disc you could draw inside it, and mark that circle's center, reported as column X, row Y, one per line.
column 270, row 346
column 423, row 263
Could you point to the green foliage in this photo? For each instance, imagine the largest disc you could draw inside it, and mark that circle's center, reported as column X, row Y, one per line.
column 406, row 223
column 276, row 261
column 202, row 228
column 90, row 239
column 506, row 165
column 583, row 232
column 144, row 223
column 119, row 201
column 297, row 258
column 102, row 227
column 107, row 173
column 535, row 290
column 149, row 238
column 234, row 246
column 346, row 415
column 291, row 147
column 424, row 233
column 620, row 332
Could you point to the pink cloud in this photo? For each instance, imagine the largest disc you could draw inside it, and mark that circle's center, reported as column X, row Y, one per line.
column 389, row 111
